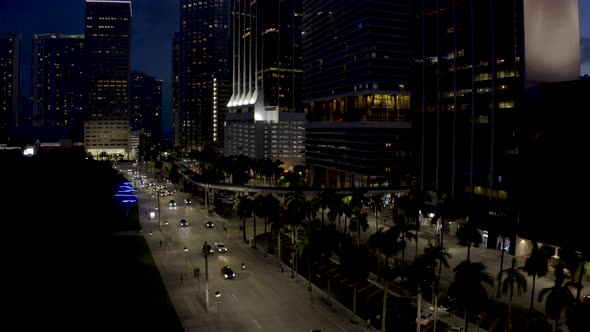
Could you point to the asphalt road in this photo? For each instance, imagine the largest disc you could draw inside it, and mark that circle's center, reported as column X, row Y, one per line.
column 259, row 298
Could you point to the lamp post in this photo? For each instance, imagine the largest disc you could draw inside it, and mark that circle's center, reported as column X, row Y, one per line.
column 217, row 299
column 185, row 259
column 166, row 231
column 206, row 254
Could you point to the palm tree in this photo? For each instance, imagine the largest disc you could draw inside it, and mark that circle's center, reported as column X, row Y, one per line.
column 513, row 276
column 558, row 297
column 258, row 209
column 440, row 254
column 243, row 210
column 358, row 222
column 321, row 201
column 536, row 266
column 467, row 288
column 468, row 234
column 403, row 230
column 376, row 203
column 296, row 209
column 377, row 242
column 271, row 205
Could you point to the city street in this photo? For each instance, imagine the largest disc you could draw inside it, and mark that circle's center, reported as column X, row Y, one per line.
column 258, row 298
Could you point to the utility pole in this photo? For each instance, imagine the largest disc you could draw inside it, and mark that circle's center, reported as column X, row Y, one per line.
column 206, row 254
column 418, row 317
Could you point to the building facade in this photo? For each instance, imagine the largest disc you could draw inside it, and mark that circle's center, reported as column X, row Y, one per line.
column 202, row 53
column 146, row 106
column 265, row 118
column 57, row 81
column 107, row 72
column 357, row 58
column 10, row 66
column 476, row 58
column 107, row 56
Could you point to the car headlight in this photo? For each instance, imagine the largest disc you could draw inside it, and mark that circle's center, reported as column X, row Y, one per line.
column 225, row 275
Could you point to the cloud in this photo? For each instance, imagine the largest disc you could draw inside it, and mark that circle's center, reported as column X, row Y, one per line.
column 585, row 50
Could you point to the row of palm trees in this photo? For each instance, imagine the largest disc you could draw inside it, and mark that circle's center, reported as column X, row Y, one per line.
column 325, row 213
column 322, row 236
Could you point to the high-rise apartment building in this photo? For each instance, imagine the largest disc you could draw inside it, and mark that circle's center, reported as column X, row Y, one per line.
column 107, row 70
column 107, row 47
column 10, row 66
column 176, row 90
column 265, row 119
column 357, row 58
column 146, row 107
column 201, row 50
column 476, row 59
column 57, row 81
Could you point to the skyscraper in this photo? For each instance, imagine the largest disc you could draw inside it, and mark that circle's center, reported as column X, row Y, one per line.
column 476, row 59
column 10, row 66
column 202, row 48
column 107, row 47
column 107, row 63
column 57, row 80
column 265, row 118
column 146, row 106
column 357, row 58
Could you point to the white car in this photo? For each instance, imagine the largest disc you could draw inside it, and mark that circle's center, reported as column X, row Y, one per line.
column 220, row 247
column 456, row 328
column 425, row 318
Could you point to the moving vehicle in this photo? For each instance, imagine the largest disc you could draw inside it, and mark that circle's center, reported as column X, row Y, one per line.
column 425, row 318
column 220, row 247
column 209, row 224
column 183, row 223
column 456, row 328
column 227, row 272
column 172, row 203
column 188, row 201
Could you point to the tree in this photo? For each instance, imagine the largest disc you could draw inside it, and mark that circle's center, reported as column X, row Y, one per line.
column 358, row 222
column 468, row 235
column 558, row 297
column 321, row 201
column 438, row 254
column 513, row 276
column 243, row 209
column 259, row 210
column 376, row 242
column 536, row 266
column 467, row 288
column 376, row 203
column 271, row 206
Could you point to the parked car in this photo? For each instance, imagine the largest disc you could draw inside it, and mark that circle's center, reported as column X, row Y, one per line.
column 183, row 223
column 227, row 272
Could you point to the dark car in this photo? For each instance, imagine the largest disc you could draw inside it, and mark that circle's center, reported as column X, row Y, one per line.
column 188, row 201
column 183, row 223
column 172, row 203
column 227, row 272
column 209, row 224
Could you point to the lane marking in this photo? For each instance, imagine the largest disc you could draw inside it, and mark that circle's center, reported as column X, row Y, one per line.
column 251, row 292
column 235, row 298
column 255, row 322
column 298, row 315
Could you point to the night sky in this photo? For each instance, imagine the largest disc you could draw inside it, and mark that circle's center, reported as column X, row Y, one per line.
column 154, row 23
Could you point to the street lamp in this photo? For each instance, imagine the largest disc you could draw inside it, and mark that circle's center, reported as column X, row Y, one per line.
column 185, row 259
column 217, row 297
column 166, row 229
